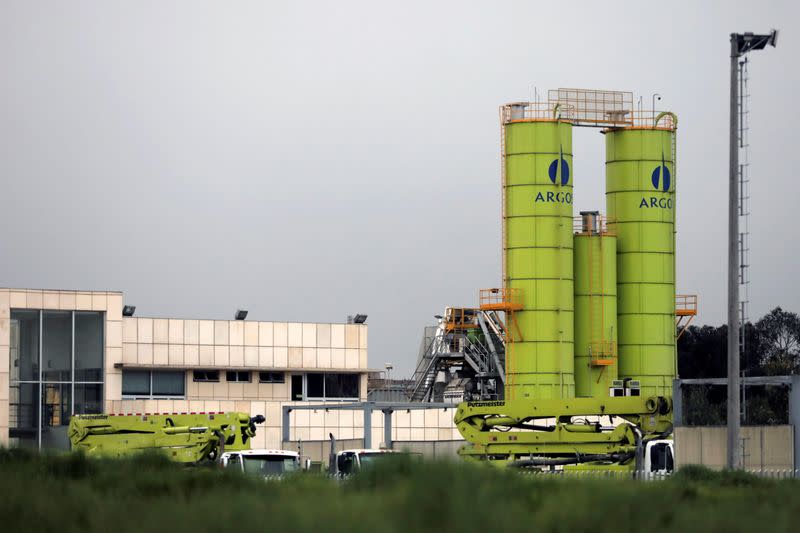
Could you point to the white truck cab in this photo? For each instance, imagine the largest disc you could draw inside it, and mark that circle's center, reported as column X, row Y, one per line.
column 659, row 457
column 262, row 462
column 352, row 461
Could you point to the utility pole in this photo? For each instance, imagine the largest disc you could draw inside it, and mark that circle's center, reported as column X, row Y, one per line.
column 741, row 43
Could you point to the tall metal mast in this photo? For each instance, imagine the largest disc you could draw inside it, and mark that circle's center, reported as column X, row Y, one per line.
column 741, row 43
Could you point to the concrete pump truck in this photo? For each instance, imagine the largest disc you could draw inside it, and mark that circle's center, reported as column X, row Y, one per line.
column 590, row 319
column 187, row 438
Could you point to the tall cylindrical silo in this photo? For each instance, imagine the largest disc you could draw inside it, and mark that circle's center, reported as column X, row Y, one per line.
column 538, row 256
column 595, row 307
column 640, row 198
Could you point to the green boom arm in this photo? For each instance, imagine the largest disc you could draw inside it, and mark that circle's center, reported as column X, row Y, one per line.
column 540, row 433
column 184, row 438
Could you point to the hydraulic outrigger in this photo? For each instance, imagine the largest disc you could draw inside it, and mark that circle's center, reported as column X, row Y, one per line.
column 546, row 433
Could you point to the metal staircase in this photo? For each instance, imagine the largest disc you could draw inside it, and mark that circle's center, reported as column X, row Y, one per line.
column 481, row 356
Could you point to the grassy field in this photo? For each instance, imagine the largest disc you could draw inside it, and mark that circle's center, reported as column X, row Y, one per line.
column 72, row 493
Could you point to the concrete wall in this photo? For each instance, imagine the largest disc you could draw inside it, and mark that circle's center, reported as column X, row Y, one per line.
column 320, row 450
column 440, row 449
column 765, row 447
column 407, row 425
column 225, row 344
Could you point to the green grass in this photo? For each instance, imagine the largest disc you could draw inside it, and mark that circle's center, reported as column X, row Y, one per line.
column 72, row 493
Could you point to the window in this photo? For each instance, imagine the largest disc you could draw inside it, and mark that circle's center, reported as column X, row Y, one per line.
column 331, row 386
column 55, row 369
column 341, row 385
column 88, row 346
column 239, row 376
column 271, row 377
column 315, row 386
column 206, row 375
column 135, row 383
column 57, row 346
column 297, row 387
column 169, row 384
column 148, row 384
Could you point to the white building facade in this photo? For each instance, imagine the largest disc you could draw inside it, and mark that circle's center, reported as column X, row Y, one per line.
column 67, row 352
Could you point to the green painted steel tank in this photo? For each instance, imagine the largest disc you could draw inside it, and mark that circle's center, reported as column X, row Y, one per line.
column 595, row 307
column 538, row 260
column 640, row 199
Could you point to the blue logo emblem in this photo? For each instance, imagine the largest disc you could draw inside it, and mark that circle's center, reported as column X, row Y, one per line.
column 559, row 174
column 661, row 174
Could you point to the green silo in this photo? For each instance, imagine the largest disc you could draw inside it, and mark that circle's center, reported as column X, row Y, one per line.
column 537, row 221
column 640, row 198
column 595, row 307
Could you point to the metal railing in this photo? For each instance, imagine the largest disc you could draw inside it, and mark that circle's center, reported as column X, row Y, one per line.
column 505, row 298
column 588, row 107
column 685, row 304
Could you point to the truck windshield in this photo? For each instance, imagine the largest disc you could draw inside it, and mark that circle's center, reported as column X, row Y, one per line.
column 371, row 458
column 266, row 465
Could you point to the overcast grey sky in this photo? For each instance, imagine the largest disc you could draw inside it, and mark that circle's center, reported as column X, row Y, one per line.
column 309, row 160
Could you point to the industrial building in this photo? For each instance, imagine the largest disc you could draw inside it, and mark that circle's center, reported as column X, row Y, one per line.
column 65, row 352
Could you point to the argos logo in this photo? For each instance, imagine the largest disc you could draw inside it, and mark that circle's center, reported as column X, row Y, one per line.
column 559, row 173
column 661, row 180
column 661, row 176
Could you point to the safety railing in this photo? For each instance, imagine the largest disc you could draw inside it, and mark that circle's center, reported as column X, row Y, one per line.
column 501, row 299
column 460, row 318
column 589, row 107
column 540, row 111
column 590, row 224
column 685, row 304
column 603, row 353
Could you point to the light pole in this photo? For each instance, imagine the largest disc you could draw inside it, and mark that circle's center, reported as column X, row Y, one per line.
column 741, row 43
column 389, row 367
column 655, row 96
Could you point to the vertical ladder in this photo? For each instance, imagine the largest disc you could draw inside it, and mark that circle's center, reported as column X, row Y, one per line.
column 744, row 212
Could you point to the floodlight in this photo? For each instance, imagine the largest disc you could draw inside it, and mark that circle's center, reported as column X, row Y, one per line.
column 241, row 314
column 773, row 38
column 128, row 310
column 359, row 319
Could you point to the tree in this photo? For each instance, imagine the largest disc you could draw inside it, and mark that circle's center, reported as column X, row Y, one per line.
column 772, row 347
column 779, row 342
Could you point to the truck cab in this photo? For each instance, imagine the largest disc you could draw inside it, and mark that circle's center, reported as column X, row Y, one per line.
column 262, row 462
column 347, row 462
column 659, row 457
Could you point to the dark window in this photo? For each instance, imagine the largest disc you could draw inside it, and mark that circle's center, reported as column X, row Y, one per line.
column 88, row 346
column 169, row 383
column 57, row 346
column 271, row 377
column 54, row 354
column 56, row 408
column 297, row 388
column 135, row 383
column 238, row 376
column 341, row 385
column 147, row 384
column 315, row 386
column 24, row 360
column 23, row 412
column 88, row 399
column 206, row 375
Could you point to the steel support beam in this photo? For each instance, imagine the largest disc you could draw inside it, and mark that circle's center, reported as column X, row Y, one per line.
column 387, row 428
column 367, row 406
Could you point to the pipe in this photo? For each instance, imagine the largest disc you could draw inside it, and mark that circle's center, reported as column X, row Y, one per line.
column 665, row 113
column 612, row 457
